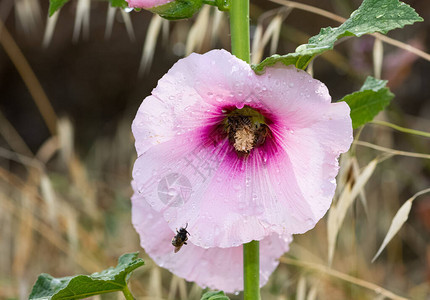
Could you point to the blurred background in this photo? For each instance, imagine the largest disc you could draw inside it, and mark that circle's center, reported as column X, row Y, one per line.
column 71, row 84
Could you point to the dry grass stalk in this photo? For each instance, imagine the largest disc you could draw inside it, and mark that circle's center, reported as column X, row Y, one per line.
column 82, row 20
column 29, row 15
column 29, row 78
column 198, row 31
column 341, row 276
column 399, row 219
column 150, row 44
column 378, row 57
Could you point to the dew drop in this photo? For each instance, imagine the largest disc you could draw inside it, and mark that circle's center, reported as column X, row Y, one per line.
column 291, row 84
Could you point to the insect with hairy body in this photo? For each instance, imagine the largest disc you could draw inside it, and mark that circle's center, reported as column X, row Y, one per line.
column 180, row 238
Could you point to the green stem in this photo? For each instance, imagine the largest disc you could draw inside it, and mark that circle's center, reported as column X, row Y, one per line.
column 127, row 293
column 402, row 129
column 251, row 271
column 239, row 29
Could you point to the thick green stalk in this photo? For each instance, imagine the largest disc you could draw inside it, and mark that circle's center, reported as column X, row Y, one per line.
column 239, row 29
column 251, row 270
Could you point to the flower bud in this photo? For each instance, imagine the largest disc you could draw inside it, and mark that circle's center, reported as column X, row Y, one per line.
column 168, row 9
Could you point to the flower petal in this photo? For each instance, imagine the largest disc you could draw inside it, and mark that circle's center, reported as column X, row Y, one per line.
column 310, row 165
column 216, row 268
column 190, row 182
column 147, row 4
column 194, row 91
column 190, row 177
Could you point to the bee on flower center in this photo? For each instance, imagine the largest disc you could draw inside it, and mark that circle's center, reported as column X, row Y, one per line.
column 246, row 129
column 180, row 238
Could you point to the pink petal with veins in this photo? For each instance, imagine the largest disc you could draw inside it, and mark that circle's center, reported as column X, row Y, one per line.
column 189, row 171
column 216, row 268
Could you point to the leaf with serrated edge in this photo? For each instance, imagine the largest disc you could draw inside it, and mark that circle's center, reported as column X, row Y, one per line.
column 214, row 295
column 399, row 219
column 83, row 286
column 55, row 5
column 372, row 16
column 366, row 103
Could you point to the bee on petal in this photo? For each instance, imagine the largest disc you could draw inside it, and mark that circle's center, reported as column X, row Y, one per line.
column 180, row 238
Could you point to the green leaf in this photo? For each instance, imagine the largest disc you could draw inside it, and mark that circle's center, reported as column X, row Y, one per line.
column 365, row 104
column 55, row 5
column 372, row 16
column 83, row 286
column 215, row 295
column 118, row 3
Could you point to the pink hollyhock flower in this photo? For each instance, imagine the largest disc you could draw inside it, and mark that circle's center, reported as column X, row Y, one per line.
column 235, row 155
column 147, row 4
column 216, row 268
column 169, row 9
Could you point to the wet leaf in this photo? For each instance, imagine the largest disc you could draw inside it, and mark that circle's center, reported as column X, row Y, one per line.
column 366, row 103
column 372, row 16
column 83, row 286
column 214, row 295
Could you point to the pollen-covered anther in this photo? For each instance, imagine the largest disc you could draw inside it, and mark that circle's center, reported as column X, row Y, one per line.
column 244, row 139
column 245, row 129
